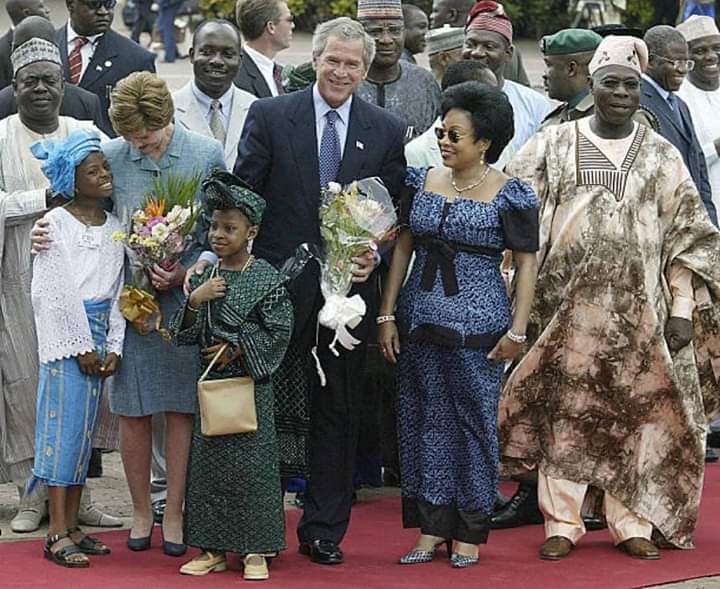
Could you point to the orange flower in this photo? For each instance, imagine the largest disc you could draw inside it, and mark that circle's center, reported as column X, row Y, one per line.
column 155, row 208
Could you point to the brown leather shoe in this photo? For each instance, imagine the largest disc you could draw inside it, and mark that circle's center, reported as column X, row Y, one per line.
column 556, row 548
column 640, row 548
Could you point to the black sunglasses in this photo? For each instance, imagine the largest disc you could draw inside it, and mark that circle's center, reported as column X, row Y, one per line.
column 452, row 135
column 96, row 4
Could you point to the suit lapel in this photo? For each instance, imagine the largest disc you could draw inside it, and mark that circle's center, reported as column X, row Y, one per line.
column 188, row 112
column 101, row 62
column 662, row 108
column 236, row 124
column 358, row 140
column 61, row 37
column 303, row 141
column 260, row 87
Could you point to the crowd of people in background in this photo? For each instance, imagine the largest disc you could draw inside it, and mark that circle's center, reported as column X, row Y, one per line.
column 549, row 311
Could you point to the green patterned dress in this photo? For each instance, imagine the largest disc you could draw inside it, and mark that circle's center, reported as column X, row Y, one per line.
column 234, row 501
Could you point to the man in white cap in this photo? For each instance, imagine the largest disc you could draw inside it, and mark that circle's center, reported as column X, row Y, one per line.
column 608, row 393
column 701, row 91
column 444, row 47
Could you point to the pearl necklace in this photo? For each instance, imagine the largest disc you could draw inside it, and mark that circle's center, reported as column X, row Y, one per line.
column 470, row 186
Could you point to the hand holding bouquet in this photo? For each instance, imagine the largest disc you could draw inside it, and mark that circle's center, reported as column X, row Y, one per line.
column 161, row 231
column 353, row 220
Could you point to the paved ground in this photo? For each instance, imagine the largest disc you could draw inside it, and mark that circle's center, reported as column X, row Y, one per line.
column 110, row 492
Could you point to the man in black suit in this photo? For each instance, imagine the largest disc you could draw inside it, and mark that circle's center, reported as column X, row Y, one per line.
column 17, row 10
column 283, row 153
column 105, row 57
column 668, row 65
column 266, row 27
column 76, row 102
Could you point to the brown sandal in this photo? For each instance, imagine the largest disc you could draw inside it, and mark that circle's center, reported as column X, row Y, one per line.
column 88, row 544
column 64, row 556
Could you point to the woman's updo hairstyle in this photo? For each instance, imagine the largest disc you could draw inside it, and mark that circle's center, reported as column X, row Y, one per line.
column 489, row 110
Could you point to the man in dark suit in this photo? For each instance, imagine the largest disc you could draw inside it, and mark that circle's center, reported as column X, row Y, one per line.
column 76, row 102
column 266, row 27
column 668, row 65
column 290, row 147
column 17, row 10
column 94, row 56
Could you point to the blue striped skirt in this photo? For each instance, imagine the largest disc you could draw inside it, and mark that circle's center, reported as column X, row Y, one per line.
column 67, row 408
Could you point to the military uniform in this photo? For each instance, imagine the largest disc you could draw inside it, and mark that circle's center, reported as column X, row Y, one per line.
column 565, row 113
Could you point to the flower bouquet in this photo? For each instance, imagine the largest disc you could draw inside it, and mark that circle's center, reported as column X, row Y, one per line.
column 353, row 220
column 161, row 231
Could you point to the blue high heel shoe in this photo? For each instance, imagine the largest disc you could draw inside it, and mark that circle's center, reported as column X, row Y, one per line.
column 139, row 544
column 173, row 548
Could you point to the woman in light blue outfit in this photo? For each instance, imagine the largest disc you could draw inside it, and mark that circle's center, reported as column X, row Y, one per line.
column 156, row 377
column 75, row 291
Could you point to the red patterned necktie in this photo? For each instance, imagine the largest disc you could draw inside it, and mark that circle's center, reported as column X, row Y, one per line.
column 277, row 70
column 75, row 59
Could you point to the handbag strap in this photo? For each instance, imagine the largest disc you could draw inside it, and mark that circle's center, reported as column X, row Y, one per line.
column 212, row 363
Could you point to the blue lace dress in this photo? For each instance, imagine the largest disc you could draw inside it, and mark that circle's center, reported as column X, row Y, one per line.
column 452, row 311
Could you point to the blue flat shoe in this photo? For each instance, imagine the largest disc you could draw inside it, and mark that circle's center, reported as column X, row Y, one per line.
column 139, row 544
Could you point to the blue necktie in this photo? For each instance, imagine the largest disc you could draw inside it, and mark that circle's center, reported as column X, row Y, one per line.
column 329, row 150
column 675, row 107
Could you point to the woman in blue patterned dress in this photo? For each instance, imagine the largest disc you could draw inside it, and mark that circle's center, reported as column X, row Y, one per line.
column 457, row 324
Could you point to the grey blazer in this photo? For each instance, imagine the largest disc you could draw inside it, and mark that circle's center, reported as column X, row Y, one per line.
column 188, row 114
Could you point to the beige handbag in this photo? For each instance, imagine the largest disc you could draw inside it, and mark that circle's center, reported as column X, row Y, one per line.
column 227, row 405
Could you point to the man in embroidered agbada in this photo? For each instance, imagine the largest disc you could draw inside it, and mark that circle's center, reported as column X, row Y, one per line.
column 608, row 394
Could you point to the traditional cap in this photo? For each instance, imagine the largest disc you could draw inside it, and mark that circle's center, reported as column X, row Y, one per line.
column 224, row 190
column 490, row 16
column 62, row 156
column 697, row 27
column 625, row 51
column 569, row 41
column 379, row 9
column 32, row 51
column 446, row 38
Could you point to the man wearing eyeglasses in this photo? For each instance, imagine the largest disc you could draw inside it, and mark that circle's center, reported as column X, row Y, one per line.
column 94, row 56
column 668, row 65
column 266, row 27
column 402, row 88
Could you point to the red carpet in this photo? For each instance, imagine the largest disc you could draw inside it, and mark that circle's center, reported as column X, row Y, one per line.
column 373, row 545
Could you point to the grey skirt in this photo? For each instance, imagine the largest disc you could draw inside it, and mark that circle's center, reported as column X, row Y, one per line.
column 155, row 375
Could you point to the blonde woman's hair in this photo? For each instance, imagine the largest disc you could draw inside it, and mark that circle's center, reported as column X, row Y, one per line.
column 140, row 102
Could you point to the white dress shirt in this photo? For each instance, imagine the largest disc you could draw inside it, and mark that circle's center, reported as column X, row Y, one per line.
column 87, row 51
column 265, row 65
column 342, row 123
column 204, row 101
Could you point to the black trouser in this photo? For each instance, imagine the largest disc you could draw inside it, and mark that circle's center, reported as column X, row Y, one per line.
column 334, row 429
column 666, row 12
column 446, row 521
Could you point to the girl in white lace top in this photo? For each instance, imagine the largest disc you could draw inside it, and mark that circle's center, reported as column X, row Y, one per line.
column 75, row 290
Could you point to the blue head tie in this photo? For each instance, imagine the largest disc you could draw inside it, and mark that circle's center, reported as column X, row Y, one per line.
column 62, row 156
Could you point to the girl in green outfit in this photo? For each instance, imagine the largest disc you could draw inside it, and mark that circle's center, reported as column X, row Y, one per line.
column 234, row 500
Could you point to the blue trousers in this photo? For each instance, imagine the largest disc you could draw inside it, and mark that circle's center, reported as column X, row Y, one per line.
column 166, row 26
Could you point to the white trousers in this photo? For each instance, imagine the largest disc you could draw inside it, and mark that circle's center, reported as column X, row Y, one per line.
column 561, row 503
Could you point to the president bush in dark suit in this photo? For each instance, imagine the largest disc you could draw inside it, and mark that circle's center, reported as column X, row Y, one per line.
column 280, row 155
column 106, row 57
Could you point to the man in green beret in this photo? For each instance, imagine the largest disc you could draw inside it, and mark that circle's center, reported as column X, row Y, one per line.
column 567, row 54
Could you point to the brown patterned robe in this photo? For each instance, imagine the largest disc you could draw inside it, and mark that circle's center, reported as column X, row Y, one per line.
column 599, row 398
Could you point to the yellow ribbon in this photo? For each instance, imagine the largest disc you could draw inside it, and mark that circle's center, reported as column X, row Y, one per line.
column 141, row 309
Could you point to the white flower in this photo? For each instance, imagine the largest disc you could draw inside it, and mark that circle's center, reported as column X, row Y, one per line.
column 178, row 216
column 160, row 232
column 334, row 188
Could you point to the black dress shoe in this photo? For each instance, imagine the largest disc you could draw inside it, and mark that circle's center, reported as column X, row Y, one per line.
column 158, row 510
column 521, row 510
column 95, row 467
column 593, row 522
column 322, row 551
